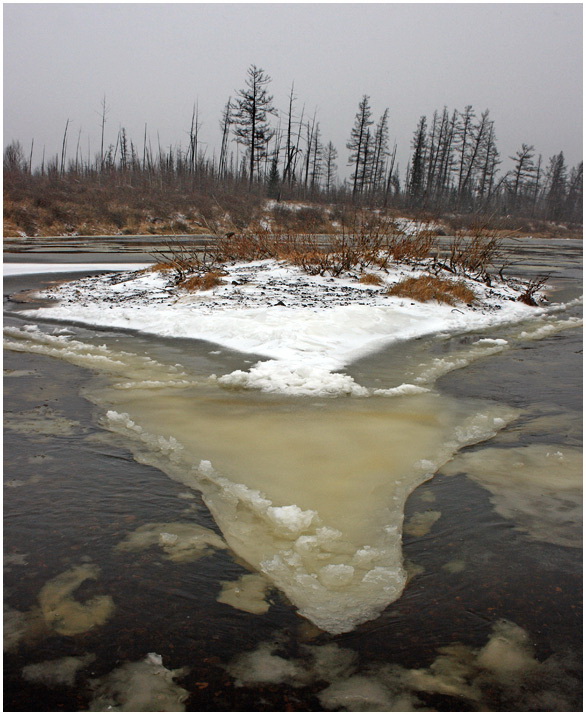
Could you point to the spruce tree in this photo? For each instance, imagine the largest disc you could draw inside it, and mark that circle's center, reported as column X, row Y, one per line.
column 358, row 144
column 253, row 107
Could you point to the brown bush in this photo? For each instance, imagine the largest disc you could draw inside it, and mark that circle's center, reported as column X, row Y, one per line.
column 371, row 279
column 205, row 281
column 475, row 255
column 426, row 288
column 159, row 268
column 246, row 246
column 300, row 218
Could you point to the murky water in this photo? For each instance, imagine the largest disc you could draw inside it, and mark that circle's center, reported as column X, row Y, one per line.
column 118, row 544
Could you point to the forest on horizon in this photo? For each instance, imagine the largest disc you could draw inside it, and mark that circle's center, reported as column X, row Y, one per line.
column 455, row 169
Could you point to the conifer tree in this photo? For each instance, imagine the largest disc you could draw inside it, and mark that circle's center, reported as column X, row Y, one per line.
column 358, row 144
column 253, row 107
column 417, row 171
column 556, row 187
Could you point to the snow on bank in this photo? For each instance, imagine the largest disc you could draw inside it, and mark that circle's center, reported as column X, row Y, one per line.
column 308, row 327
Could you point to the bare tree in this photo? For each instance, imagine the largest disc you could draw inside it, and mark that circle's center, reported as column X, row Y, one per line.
column 556, row 187
column 380, row 152
column 103, row 127
column 523, row 171
column 193, row 151
column 225, row 124
column 574, row 200
column 290, row 149
column 330, row 166
column 64, row 148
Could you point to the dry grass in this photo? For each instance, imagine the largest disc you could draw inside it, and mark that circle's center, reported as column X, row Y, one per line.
column 371, row 279
column 159, row 268
column 206, row 281
column 122, row 203
column 426, row 288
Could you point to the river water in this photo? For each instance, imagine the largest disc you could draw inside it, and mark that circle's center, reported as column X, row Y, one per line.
column 113, row 551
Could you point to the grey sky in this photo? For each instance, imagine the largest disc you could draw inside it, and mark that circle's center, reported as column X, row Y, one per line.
column 153, row 61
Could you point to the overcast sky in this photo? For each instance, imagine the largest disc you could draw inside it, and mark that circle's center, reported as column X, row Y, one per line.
column 152, row 62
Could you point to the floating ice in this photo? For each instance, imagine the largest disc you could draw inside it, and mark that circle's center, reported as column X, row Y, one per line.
column 539, row 487
column 327, row 531
column 274, row 376
column 291, row 520
column 504, row 670
column 63, row 613
column 421, row 523
column 309, row 495
column 248, row 593
column 143, row 686
column 42, row 420
column 15, row 627
column 180, row 541
column 264, row 665
column 551, row 328
column 454, row 566
column 62, row 671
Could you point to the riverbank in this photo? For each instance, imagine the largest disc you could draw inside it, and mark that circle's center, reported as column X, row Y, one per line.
column 308, row 327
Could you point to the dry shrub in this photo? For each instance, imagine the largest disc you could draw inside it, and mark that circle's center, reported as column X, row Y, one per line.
column 300, row 218
column 475, row 255
column 426, row 288
column 532, row 288
column 371, row 279
column 159, row 268
column 370, row 240
column 246, row 246
column 206, row 281
column 410, row 249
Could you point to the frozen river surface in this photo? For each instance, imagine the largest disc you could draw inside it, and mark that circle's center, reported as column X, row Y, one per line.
column 139, row 576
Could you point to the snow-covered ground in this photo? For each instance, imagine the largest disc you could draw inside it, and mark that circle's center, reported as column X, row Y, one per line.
column 307, row 327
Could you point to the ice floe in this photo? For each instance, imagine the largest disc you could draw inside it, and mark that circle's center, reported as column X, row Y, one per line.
column 504, row 670
column 54, row 673
column 308, row 328
column 537, row 486
column 179, row 541
column 143, row 686
column 63, row 613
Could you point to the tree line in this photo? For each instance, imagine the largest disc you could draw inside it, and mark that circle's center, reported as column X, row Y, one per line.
column 454, row 164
